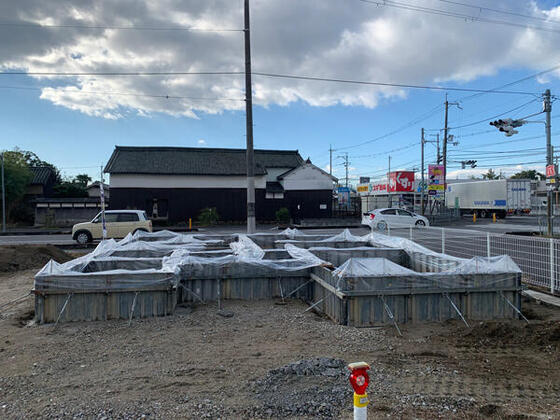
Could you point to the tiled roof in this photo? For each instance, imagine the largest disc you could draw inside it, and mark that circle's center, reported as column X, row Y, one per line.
column 41, row 174
column 196, row 161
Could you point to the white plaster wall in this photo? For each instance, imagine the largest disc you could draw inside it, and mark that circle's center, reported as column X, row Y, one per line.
column 273, row 173
column 182, row 181
column 307, row 178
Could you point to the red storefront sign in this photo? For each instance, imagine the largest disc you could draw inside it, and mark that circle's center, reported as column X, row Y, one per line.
column 550, row 171
column 401, row 181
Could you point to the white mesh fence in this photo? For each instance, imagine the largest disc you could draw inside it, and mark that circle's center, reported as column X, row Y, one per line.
column 538, row 258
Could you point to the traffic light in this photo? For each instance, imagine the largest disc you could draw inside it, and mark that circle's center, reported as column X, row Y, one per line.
column 464, row 163
column 507, row 126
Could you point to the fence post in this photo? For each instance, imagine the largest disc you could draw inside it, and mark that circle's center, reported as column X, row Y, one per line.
column 443, row 240
column 551, row 265
column 488, row 243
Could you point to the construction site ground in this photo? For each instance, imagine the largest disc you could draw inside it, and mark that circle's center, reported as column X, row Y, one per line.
column 271, row 360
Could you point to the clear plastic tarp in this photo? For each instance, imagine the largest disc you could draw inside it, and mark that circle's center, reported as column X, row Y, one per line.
column 162, row 259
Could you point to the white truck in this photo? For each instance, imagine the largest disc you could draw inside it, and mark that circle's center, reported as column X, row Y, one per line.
column 502, row 196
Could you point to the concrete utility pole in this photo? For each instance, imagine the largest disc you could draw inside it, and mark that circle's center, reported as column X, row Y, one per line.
column 389, row 198
column 549, row 159
column 3, row 196
column 330, row 159
column 251, row 221
column 346, row 163
column 423, row 142
column 445, row 129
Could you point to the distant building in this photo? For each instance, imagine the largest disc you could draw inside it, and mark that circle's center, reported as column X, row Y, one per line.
column 93, row 190
column 176, row 183
column 42, row 183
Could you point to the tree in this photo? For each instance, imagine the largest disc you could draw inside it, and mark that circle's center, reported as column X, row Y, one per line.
column 72, row 187
column 492, row 175
column 17, row 176
column 82, row 179
column 529, row 174
column 32, row 159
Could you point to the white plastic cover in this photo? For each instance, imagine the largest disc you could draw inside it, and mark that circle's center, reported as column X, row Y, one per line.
column 367, row 267
column 246, row 248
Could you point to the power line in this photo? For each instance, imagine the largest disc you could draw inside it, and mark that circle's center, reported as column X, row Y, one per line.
column 115, row 73
column 124, row 94
column 401, row 85
column 398, row 130
column 462, row 16
column 506, row 12
column 495, row 116
column 136, row 28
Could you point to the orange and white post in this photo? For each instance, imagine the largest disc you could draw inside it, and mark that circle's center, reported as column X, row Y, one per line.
column 359, row 379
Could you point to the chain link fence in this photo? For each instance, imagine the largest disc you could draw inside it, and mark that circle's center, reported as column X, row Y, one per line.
column 538, row 258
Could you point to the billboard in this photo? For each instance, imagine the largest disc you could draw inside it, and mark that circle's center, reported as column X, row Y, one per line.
column 436, row 180
column 401, row 181
column 343, row 196
column 364, row 180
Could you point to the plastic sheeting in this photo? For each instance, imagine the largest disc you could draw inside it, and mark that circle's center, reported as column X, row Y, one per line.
column 246, row 248
column 180, row 255
column 346, row 236
column 368, row 267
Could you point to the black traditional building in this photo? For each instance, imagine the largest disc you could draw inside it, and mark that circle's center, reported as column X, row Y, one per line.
column 176, row 183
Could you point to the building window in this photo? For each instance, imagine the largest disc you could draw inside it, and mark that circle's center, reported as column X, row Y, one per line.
column 275, row 196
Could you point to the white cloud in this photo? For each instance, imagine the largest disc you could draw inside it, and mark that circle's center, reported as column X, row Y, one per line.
column 506, row 171
column 201, row 141
column 344, row 39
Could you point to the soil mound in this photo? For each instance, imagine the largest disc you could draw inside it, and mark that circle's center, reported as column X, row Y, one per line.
column 502, row 333
column 23, row 257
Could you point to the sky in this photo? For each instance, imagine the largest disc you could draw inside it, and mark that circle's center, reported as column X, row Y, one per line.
column 75, row 121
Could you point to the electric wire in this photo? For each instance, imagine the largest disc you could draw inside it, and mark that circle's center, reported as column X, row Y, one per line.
column 91, row 92
column 118, row 27
column 462, row 16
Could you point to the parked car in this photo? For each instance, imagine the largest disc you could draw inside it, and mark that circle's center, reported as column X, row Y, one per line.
column 119, row 223
column 393, row 218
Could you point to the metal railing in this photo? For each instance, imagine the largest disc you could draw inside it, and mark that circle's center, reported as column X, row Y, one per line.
column 538, row 258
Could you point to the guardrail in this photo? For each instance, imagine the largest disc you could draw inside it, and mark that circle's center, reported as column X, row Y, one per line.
column 538, row 258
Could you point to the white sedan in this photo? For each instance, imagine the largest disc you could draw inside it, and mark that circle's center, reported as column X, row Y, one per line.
column 393, row 218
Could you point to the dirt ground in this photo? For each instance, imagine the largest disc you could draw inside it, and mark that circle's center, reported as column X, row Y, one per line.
column 263, row 362
column 23, row 257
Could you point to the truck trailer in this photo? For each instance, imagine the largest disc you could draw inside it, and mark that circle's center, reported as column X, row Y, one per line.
column 502, row 197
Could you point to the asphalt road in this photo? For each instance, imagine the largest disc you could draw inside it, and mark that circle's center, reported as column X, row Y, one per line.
column 522, row 224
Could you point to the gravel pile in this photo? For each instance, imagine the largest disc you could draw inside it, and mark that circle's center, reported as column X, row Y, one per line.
column 316, row 388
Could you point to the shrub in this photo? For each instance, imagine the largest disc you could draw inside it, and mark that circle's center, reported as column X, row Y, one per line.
column 208, row 216
column 283, row 215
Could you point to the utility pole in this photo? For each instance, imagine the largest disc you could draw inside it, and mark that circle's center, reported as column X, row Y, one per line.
column 102, row 197
column 346, row 163
column 549, row 159
column 251, row 221
column 330, row 159
column 445, row 129
column 422, row 141
column 437, row 146
column 389, row 200
column 3, row 196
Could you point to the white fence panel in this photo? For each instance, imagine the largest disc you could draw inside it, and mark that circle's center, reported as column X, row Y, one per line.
column 538, row 258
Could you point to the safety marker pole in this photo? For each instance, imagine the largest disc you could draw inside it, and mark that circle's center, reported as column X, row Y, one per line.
column 359, row 379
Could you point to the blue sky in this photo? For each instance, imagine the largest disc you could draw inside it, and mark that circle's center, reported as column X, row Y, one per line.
column 78, row 131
